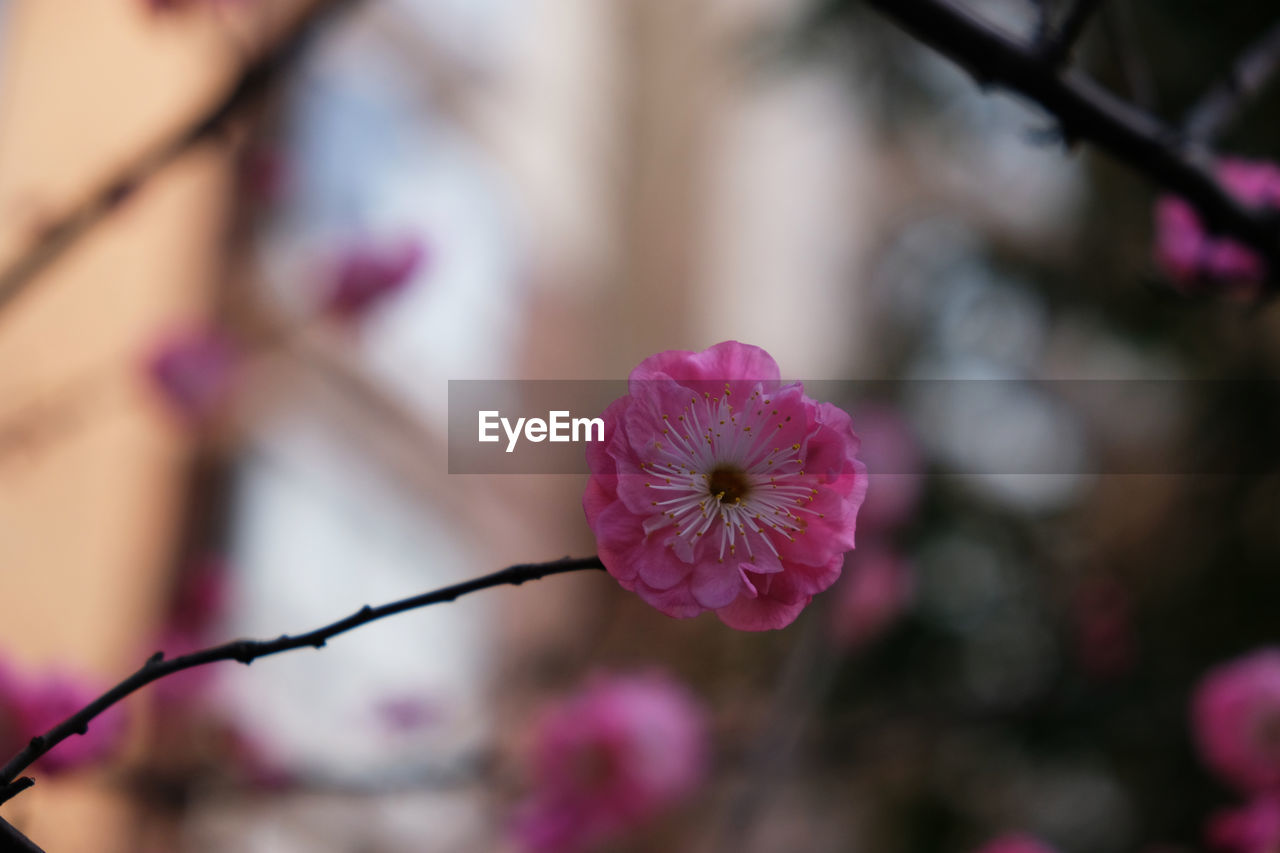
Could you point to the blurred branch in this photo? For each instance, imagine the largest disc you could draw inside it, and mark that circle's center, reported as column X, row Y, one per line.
column 1059, row 42
column 253, row 81
column 247, row 651
column 805, row 679
column 1246, row 77
column 1126, row 44
column 1087, row 111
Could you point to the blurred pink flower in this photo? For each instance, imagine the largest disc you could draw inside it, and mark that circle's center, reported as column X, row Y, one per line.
column 1189, row 254
column 1102, row 618
column 1236, row 715
column 200, row 600
column 368, row 274
column 877, row 587
column 31, row 705
column 611, row 757
column 1016, row 843
column 719, row 487
column 14, row 733
column 194, row 372
column 53, row 697
column 198, row 606
column 894, row 468
column 1253, row 828
column 174, row 5
column 264, row 174
column 408, row 713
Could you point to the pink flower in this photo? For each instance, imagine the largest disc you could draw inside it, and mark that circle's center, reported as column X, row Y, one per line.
column 1236, row 715
column 719, row 487
column 1016, row 843
column 877, row 586
column 194, row 372
column 894, row 468
column 369, row 274
column 1186, row 251
column 1254, row 828
column 615, row 755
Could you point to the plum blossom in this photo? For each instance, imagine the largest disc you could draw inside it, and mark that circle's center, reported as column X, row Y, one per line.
column 1188, row 254
column 878, row 584
column 1253, row 828
column 1236, row 717
column 194, row 371
column 720, row 487
column 615, row 755
column 1015, row 843
column 367, row 274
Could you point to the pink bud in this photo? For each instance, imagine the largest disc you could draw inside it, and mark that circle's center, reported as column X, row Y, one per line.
column 877, row 586
column 894, row 468
column 1102, row 618
column 367, row 275
column 1016, row 843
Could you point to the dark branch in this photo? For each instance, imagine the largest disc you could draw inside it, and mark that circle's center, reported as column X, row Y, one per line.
column 257, row 78
column 1058, row 45
column 12, row 841
column 1222, row 104
column 246, row 651
column 1087, row 111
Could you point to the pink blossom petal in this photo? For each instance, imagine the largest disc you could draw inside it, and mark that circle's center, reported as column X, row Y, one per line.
column 1236, row 716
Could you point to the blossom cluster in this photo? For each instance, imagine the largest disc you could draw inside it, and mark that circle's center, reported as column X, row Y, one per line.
column 1191, row 256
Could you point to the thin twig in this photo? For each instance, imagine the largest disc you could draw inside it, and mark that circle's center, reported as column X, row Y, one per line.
column 1058, row 45
column 1223, row 103
column 1087, row 111
column 805, row 680
column 247, row 651
column 1126, row 44
column 254, row 80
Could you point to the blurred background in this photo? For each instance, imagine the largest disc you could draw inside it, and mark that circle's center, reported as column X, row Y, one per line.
column 223, row 410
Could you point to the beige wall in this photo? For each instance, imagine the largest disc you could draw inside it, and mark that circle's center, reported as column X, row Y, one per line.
column 89, row 505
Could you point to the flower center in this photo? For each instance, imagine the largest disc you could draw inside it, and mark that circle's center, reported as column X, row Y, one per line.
column 725, row 478
column 728, row 484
